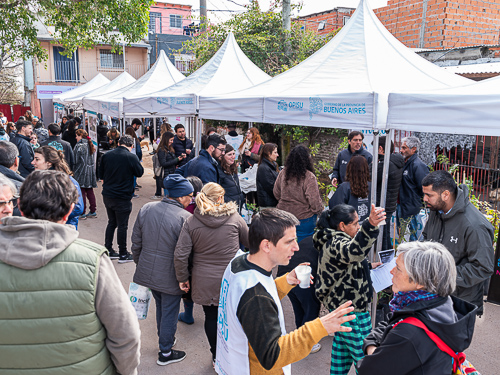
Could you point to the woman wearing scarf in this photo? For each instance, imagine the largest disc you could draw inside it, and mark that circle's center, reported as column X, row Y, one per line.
column 250, row 149
column 344, row 275
column 423, row 280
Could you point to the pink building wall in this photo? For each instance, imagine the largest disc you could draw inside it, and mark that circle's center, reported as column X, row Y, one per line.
column 165, row 10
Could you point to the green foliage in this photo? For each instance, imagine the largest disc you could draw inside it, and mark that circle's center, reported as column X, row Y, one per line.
column 78, row 23
column 261, row 37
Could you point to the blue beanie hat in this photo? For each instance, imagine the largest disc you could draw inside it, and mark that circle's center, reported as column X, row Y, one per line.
column 177, row 186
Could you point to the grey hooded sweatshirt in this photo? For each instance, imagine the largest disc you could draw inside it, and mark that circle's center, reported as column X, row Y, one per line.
column 32, row 244
column 468, row 235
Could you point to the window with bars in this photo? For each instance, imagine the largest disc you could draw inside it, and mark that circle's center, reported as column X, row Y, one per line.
column 184, row 63
column 176, row 21
column 110, row 59
column 155, row 22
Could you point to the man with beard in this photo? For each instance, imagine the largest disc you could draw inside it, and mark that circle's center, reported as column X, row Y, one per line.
column 463, row 230
column 355, row 140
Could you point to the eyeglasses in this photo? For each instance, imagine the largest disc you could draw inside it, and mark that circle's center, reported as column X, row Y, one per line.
column 11, row 201
column 223, row 150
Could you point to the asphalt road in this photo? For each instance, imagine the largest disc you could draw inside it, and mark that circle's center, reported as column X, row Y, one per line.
column 192, row 339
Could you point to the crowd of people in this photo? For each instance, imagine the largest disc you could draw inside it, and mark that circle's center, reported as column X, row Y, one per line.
column 192, row 245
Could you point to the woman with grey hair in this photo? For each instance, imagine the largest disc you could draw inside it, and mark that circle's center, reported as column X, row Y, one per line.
column 423, row 280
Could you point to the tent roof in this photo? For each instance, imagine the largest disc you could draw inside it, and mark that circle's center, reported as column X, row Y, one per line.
column 337, row 85
column 469, row 109
column 228, row 70
column 76, row 94
column 162, row 74
column 124, row 79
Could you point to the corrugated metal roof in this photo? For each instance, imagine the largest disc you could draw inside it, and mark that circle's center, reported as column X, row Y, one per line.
column 474, row 68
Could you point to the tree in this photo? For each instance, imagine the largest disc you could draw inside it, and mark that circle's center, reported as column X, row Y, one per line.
column 261, row 37
column 77, row 23
column 10, row 84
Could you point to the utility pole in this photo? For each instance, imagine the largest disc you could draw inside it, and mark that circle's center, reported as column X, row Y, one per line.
column 287, row 25
column 203, row 15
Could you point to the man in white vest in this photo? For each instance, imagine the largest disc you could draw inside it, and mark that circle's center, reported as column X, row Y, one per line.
column 251, row 335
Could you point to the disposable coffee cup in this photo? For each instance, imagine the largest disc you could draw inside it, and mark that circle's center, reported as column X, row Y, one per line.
column 304, row 275
column 382, row 222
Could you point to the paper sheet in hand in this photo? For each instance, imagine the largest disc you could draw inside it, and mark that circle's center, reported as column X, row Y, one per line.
column 386, row 256
column 381, row 276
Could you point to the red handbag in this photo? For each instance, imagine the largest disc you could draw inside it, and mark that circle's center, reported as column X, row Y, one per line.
column 461, row 366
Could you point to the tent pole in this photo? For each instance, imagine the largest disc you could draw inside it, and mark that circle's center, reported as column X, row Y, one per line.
column 198, row 135
column 374, row 201
column 385, row 177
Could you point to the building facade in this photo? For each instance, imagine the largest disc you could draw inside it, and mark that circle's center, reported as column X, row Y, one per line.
column 327, row 21
column 169, row 26
column 429, row 24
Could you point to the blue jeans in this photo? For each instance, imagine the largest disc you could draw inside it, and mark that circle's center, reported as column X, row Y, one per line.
column 167, row 311
column 412, row 225
column 306, row 227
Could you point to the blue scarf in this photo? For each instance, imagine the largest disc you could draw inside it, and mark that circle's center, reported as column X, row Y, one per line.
column 403, row 299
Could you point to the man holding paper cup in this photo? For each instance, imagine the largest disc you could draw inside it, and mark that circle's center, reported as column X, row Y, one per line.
column 251, row 335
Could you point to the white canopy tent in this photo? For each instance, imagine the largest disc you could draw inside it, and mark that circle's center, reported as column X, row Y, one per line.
column 344, row 85
column 75, row 95
column 228, row 70
column 470, row 109
column 161, row 75
column 123, row 80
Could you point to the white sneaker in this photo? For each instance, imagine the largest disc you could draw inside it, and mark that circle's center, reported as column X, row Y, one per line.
column 316, row 348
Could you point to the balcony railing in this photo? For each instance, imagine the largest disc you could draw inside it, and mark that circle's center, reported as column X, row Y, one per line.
column 71, row 71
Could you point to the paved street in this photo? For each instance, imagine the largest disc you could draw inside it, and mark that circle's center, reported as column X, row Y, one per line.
column 482, row 353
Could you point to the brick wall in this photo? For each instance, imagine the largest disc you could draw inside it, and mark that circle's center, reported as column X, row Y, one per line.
column 448, row 24
column 332, row 19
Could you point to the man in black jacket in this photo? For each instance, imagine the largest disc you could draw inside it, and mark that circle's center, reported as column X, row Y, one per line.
column 22, row 142
column 117, row 170
column 9, row 163
column 55, row 141
column 182, row 144
column 355, row 140
column 396, row 166
column 463, row 230
column 410, row 192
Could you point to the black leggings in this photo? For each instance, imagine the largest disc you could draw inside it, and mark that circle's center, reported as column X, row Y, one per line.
column 211, row 327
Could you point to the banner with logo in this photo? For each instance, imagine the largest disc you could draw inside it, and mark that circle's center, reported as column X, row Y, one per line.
column 178, row 105
column 354, row 111
column 91, row 122
column 58, row 112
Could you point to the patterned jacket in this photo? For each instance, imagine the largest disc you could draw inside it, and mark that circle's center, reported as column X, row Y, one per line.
column 343, row 270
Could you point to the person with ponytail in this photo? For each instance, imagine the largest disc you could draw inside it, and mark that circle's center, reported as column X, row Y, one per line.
column 84, row 170
column 209, row 238
column 47, row 157
column 344, row 275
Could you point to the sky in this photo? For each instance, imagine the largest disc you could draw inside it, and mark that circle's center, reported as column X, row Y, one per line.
column 220, row 10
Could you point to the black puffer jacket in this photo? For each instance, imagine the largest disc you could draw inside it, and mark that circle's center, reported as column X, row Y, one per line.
column 468, row 236
column 266, row 177
column 231, row 184
column 168, row 161
column 396, row 166
column 26, row 154
column 410, row 192
column 343, row 158
column 408, row 350
column 179, row 148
